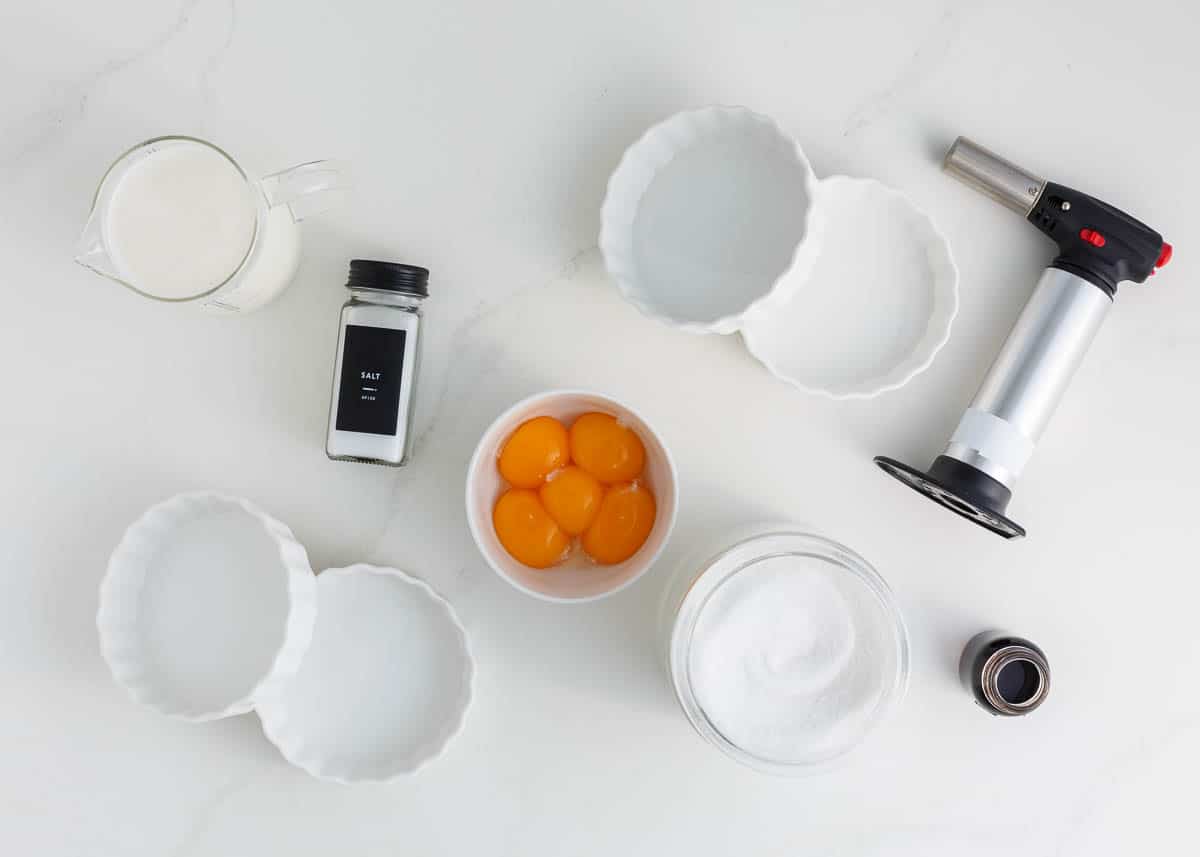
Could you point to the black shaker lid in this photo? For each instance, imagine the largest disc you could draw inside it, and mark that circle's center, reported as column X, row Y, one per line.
column 388, row 277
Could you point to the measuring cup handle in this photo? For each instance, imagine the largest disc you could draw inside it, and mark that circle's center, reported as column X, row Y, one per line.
column 306, row 189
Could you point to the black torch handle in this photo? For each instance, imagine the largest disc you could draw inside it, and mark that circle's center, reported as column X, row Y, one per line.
column 1096, row 241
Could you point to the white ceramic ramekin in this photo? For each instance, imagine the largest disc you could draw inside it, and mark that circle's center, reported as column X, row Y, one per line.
column 709, row 217
column 877, row 305
column 384, row 686
column 578, row 579
column 207, row 605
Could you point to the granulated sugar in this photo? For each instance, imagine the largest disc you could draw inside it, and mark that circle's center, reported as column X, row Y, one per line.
column 791, row 659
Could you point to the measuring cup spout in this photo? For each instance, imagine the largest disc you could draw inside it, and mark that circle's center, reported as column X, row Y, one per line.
column 91, row 251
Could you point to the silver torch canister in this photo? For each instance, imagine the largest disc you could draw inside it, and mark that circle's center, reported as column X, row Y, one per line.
column 1099, row 248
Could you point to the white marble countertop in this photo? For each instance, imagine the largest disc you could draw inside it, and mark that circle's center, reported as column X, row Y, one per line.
column 481, row 136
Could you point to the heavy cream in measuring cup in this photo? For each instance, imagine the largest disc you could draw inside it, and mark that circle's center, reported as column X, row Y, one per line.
column 180, row 222
column 176, row 219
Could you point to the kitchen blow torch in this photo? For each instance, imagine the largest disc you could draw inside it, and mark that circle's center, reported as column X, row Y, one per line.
column 1099, row 247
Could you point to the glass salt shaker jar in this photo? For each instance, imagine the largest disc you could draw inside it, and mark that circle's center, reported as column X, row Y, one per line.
column 375, row 374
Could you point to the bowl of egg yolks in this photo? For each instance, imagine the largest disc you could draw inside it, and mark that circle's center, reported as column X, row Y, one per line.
column 571, row 496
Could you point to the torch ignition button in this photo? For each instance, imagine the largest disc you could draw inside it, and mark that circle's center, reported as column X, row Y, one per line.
column 1164, row 255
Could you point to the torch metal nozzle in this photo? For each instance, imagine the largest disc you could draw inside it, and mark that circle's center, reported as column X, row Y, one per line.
column 993, row 176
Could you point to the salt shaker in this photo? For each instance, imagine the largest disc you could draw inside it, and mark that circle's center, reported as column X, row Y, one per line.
column 374, row 378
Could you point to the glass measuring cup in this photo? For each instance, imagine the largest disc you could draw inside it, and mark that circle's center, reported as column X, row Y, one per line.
column 176, row 219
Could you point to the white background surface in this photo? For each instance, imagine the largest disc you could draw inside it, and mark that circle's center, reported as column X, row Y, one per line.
column 482, row 135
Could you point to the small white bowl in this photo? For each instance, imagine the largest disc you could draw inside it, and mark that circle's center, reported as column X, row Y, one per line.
column 578, row 579
column 877, row 305
column 709, row 217
column 852, row 706
column 207, row 605
column 385, row 685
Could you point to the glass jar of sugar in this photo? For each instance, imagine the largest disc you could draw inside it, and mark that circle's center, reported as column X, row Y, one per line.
column 375, row 372
column 784, row 649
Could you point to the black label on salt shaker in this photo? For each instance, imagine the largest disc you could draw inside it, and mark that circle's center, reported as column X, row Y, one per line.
column 369, row 391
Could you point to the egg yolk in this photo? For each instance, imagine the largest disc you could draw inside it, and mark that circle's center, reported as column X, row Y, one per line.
column 572, row 498
column 622, row 525
column 527, row 532
column 535, row 450
column 606, row 449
